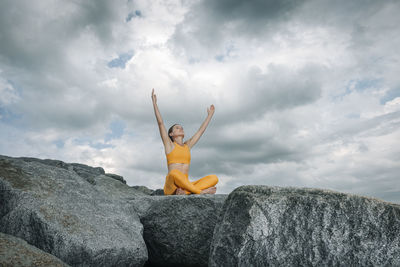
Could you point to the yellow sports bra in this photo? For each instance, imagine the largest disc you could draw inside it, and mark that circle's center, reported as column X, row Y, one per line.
column 180, row 154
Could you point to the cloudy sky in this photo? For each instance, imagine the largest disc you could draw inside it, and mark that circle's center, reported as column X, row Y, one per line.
column 306, row 93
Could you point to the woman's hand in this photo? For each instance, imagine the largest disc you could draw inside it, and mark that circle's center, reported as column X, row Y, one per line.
column 211, row 110
column 153, row 97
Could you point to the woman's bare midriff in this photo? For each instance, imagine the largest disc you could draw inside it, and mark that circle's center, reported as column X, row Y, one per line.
column 183, row 167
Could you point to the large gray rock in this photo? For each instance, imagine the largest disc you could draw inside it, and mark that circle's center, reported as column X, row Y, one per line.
column 62, row 213
column 118, row 191
column 287, row 226
column 178, row 228
column 15, row 251
column 148, row 191
column 87, row 172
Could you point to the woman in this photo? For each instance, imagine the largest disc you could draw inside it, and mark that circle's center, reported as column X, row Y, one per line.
column 178, row 158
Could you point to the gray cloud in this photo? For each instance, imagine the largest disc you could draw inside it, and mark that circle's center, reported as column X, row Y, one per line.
column 210, row 27
column 209, row 24
column 377, row 126
column 35, row 53
column 34, row 40
column 281, row 87
column 253, row 92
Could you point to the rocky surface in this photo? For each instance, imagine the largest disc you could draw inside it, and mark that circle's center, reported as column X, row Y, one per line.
column 150, row 192
column 15, row 251
column 87, row 172
column 86, row 217
column 287, row 226
column 60, row 211
column 178, row 229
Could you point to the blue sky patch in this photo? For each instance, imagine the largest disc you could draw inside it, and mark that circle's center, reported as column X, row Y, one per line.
column 59, row 143
column 219, row 58
column 390, row 95
column 359, row 86
column 117, row 128
column 227, row 53
column 133, row 14
column 120, row 62
column 8, row 116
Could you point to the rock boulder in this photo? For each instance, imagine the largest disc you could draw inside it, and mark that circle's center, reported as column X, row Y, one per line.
column 288, row 226
column 63, row 213
column 178, row 229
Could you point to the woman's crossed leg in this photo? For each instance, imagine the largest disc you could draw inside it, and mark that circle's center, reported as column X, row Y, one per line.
column 177, row 180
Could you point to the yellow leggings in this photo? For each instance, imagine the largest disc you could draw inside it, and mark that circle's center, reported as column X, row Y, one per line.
column 175, row 178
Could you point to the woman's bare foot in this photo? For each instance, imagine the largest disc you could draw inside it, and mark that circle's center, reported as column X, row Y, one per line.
column 180, row 191
column 210, row 190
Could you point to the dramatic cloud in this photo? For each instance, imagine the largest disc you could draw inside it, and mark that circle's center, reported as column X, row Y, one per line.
column 306, row 93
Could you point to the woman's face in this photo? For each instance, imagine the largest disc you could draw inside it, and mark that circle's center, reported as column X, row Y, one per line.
column 178, row 130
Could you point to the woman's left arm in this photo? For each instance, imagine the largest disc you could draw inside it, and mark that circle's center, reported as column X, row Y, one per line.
column 192, row 141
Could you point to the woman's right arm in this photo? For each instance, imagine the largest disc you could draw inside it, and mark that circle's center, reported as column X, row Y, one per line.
column 156, row 111
column 163, row 131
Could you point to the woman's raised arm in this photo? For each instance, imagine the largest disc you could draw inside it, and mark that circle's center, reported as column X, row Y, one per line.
column 163, row 131
column 156, row 111
column 193, row 140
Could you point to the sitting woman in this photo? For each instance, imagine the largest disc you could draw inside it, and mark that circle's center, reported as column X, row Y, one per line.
column 178, row 158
